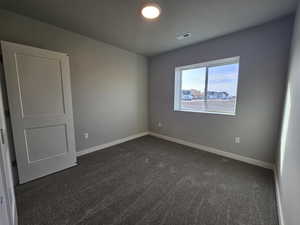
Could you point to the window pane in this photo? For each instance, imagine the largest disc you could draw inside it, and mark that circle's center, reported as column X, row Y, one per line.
column 192, row 89
column 222, row 88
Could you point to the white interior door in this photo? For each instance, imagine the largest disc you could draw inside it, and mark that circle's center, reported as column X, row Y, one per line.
column 40, row 104
column 8, row 213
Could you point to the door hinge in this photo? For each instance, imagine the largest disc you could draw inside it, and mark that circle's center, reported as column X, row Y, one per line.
column 1, row 200
column 2, row 135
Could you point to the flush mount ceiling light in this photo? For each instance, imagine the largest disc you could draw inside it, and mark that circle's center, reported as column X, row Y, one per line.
column 151, row 10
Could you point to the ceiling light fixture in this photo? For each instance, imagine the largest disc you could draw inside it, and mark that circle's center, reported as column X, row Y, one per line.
column 151, row 10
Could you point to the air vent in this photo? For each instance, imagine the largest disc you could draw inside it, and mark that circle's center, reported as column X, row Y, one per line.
column 183, row 36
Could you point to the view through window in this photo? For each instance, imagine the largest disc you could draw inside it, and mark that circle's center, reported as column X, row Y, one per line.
column 208, row 87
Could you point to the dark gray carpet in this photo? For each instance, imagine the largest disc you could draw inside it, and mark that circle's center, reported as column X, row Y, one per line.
column 151, row 181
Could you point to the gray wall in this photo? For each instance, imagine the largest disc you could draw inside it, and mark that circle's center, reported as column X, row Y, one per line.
column 288, row 161
column 264, row 52
column 109, row 85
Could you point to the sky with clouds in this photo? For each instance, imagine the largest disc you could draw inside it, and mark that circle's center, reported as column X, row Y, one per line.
column 220, row 78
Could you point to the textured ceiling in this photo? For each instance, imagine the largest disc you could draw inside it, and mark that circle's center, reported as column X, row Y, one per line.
column 118, row 22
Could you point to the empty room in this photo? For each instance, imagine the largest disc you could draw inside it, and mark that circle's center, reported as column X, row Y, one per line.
column 149, row 112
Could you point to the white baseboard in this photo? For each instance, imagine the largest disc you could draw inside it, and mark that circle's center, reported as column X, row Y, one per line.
column 278, row 198
column 109, row 144
column 216, row 151
column 180, row 141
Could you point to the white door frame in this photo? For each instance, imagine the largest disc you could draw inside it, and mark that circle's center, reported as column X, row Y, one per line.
column 6, row 167
column 11, row 217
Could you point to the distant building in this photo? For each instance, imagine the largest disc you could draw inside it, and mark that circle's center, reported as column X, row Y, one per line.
column 217, row 95
column 186, row 95
column 195, row 94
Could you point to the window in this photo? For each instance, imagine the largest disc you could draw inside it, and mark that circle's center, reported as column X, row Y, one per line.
column 209, row 87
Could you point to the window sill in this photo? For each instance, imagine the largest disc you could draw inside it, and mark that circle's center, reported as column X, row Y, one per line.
column 205, row 112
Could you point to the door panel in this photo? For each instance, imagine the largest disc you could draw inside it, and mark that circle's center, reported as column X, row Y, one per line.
column 39, row 94
column 53, row 138
column 46, row 76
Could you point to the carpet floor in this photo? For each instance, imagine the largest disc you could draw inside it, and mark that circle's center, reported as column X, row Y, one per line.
column 151, row 181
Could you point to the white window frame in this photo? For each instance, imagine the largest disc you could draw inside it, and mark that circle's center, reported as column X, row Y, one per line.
column 207, row 65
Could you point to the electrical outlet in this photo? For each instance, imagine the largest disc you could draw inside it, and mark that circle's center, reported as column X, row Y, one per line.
column 159, row 124
column 86, row 135
column 237, row 140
